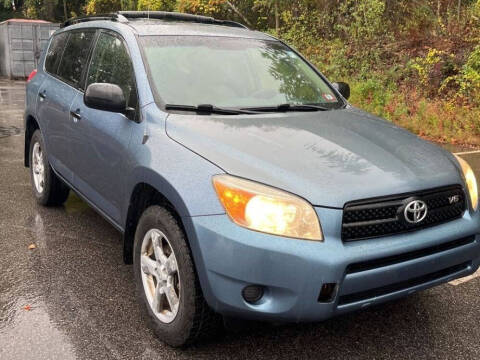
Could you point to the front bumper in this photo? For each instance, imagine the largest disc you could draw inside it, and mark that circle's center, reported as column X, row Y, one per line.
column 367, row 272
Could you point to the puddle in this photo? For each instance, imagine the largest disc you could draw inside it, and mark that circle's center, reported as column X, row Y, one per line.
column 32, row 335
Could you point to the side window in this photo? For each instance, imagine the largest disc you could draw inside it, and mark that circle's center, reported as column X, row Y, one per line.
column 75, row 56
column 111, row 64
column 55, row 52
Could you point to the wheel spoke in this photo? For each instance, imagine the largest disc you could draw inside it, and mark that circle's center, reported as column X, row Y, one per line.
column 157, row 298
column 171, row 265
column 172, row 297
column 149, row 266
column 38, row 157
column 157, row 248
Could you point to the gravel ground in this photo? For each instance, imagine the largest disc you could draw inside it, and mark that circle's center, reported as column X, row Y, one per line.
column 73, row 298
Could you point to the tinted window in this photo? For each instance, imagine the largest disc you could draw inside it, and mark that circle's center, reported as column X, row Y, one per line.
column 75, row 57
column 54, row 53
column 111, row 64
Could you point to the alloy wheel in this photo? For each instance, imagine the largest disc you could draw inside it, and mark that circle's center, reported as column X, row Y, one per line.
column 38, row 168
column 160, row 277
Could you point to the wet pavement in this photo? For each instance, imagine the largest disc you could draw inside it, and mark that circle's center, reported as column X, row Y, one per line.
column 73, row 298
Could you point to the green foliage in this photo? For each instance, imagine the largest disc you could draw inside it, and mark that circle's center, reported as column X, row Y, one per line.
column 374, row 94
column 153, row 5
column 363, row 19
column 203, row 7
column 468, row 79
column 102, row 6
column 45, row 9
column 435, row 70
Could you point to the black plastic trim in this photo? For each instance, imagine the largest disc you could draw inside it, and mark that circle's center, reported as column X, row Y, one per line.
column 123, row 16
column 396, row 198
column 411, row 255
column 403, row 285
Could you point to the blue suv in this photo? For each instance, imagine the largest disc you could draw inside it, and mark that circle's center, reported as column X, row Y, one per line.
column 243, row 182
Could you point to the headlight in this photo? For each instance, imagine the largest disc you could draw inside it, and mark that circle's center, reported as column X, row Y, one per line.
column 470, row 181
column 263, row 208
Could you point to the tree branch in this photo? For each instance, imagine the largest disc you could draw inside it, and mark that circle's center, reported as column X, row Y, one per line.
column 234, row 8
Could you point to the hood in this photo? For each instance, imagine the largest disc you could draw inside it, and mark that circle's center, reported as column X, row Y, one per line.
column 328, row 158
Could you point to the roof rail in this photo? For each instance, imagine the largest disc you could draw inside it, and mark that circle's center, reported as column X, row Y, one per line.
column 77, row 20
column 123, row 16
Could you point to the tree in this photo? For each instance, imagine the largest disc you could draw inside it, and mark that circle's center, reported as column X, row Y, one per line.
column 43, row 9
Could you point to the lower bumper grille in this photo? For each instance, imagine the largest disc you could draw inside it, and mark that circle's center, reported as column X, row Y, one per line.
column 371, row 218
column 388, row 289
column 411, row 255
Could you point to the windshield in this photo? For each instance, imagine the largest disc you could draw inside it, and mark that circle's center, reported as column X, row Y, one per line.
column 232, row 72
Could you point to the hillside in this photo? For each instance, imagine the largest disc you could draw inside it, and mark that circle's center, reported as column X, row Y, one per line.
column 416, row 63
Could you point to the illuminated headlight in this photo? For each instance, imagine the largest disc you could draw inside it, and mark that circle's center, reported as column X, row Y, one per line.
column 266, row 209
column 470, row 181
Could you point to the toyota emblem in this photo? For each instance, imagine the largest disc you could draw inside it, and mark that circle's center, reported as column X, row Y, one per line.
column 415, row 211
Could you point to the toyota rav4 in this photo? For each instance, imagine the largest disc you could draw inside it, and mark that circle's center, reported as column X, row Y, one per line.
column 243, row 182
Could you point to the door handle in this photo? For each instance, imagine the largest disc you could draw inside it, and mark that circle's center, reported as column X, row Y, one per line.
column 42, row 95
column 76, row 115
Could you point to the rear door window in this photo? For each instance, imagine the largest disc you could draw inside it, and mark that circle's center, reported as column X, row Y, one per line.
column 75, row 57
column 54, row 53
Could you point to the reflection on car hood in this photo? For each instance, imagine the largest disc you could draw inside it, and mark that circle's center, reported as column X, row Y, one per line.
column 328, row 158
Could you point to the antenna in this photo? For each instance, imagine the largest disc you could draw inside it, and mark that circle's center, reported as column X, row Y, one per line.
column 148, row 12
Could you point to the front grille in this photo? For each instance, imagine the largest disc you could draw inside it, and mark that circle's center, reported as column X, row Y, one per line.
column 372, row 218
column 392, row 288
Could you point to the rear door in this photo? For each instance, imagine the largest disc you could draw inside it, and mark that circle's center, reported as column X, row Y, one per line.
column 53, row 106
column 101, row 152
column 65, row 65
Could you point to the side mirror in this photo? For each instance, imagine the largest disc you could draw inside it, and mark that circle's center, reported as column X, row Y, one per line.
column 107, row 97
column 342, row 88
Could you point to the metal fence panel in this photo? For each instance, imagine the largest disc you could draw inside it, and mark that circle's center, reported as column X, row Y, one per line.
column 4, row 53
column 23, row 43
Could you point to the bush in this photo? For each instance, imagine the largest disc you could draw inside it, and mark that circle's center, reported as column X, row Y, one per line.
column 363, row 19
column 468, row 80
column 434, row 70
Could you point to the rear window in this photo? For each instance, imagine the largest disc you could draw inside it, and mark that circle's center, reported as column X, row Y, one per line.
column 54, row 53
column 75, row 56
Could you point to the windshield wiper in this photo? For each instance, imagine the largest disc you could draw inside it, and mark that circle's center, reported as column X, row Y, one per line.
column 287, row 107
column 208, row 109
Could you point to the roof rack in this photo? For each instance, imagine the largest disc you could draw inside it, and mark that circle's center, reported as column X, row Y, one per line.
column 124, row 16
column 80, row 19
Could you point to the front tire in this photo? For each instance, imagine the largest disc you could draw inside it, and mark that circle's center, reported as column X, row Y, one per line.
column 166, row 282
column 48, row 189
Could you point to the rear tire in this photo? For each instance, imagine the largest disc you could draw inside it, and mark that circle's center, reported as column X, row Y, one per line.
column 192, row 319
column 48, row 189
